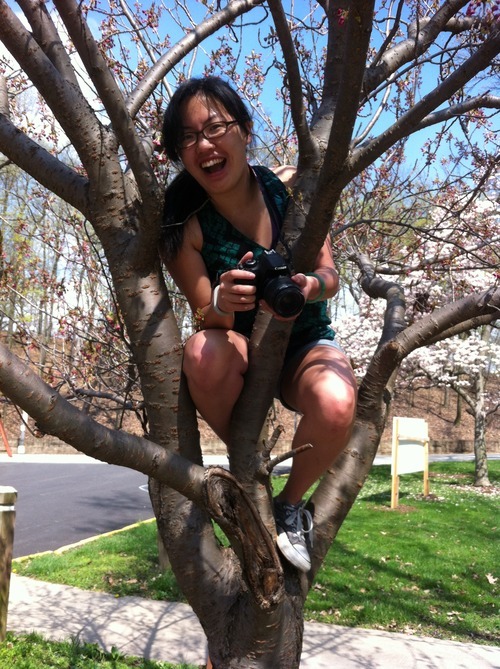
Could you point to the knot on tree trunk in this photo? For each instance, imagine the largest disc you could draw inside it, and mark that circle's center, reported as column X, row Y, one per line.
column 232, row 509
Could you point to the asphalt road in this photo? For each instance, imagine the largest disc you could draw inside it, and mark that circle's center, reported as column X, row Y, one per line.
column 60, row 504
column 62, row 500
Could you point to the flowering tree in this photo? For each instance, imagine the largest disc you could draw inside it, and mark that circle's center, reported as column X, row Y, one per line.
column 356, row 86
column 468, row 363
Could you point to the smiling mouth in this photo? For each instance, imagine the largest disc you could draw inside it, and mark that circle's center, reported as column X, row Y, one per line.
column 214, row 165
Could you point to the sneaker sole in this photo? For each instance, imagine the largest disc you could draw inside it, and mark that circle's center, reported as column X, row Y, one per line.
column 298, row 561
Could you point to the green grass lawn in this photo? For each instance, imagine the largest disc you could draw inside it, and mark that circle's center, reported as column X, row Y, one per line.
column 31, row 651
column 431, row 567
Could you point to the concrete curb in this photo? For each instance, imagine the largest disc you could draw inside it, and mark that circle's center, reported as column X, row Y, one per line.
column 88, row 540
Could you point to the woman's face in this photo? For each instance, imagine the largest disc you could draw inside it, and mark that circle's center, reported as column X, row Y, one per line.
column 216, row 164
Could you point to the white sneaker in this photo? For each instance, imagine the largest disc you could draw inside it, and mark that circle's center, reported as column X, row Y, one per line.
column 291, row 533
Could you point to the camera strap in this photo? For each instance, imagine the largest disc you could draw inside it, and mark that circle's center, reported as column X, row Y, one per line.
column 274, row 215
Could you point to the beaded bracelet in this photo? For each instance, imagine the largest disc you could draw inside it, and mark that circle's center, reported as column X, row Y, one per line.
column 216, row 306
column 199, row 319
column 322, row 287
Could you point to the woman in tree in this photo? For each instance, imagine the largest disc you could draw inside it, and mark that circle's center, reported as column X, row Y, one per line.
column 220, row 212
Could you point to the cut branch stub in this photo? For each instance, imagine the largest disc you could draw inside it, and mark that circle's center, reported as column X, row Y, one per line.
column 232, row 509
column 285, row 456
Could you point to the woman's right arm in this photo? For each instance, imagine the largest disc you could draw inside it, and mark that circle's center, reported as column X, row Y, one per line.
column 189, row 272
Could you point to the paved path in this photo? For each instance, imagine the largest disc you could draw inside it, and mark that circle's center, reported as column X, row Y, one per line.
column 170, row 632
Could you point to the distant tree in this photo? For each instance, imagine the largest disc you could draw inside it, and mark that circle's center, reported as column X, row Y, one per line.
column 444, row 254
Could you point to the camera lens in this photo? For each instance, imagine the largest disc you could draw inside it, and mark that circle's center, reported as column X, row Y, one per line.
column 284, row 297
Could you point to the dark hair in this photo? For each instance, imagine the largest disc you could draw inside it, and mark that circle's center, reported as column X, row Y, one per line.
column 213, row 89
column 184, row 196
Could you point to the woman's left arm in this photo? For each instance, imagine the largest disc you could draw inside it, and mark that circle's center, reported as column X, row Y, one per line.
column 323, row 282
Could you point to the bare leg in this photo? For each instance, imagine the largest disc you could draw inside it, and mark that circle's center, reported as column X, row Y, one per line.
column 323, row 389
column 215, row 362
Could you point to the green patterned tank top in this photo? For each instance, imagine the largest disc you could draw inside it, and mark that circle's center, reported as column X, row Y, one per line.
column 224, row 246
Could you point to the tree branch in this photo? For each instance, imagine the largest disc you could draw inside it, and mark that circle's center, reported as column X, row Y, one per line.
column 462, row 327
column 392, row 33
column 324, row 189
column 335, row 63
column 44, row 167
column 66, row 101
column 46, row 35
column 409, row 122
column 478, row 102
column 164, row 64
column 422, row 34
column 56, row 416
column 359, row 23
column 393, row 293
column 468, row 313
column 308, row 151
column 114, row 104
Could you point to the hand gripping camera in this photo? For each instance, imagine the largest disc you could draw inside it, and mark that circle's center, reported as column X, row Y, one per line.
column 273, row 283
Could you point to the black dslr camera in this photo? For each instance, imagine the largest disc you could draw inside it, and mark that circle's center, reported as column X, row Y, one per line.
column 273, row 283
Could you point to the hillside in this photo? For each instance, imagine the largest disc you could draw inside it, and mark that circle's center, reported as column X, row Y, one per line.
column 447, row 434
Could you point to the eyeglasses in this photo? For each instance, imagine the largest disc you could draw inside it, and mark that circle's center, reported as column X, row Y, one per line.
column 213, row 131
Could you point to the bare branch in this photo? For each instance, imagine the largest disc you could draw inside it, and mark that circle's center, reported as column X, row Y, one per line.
column 462, row 327
column 358, row 36
column 307, row 148
column 394, row 318
column 46, row 35
column 485, row 101
column 153, row 77
column 56, row 416
column 409, row 122
column 468, row 313
column 67, row 103
column 44, row 167
column 286, row 456
column 392, row 33
column 112, row 99
column 328, row 182
column 422, row 35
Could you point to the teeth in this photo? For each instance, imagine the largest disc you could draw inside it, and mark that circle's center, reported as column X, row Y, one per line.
column 211, row 163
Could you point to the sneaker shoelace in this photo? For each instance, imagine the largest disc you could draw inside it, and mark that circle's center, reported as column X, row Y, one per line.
column 295, row 519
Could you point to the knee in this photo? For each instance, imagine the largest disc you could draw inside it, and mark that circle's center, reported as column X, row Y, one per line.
column 200, row 362
column 334, row 408
column 208, row 360
column 197, row 354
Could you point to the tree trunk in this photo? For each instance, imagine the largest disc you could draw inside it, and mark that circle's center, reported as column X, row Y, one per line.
column 458, row 412
column 481, row 459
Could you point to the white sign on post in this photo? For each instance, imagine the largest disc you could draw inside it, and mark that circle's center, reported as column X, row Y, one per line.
column 410, row 452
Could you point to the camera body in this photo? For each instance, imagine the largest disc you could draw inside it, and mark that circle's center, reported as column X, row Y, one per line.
column 273, row 283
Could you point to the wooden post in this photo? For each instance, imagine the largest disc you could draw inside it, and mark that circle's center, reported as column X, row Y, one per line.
column 395, row 491
column 395, row 475
column 4, row 439
column 426, row 468
column 164, row 560
column 8, row 498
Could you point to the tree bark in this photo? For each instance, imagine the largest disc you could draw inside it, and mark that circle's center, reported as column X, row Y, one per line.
column 480, row 455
